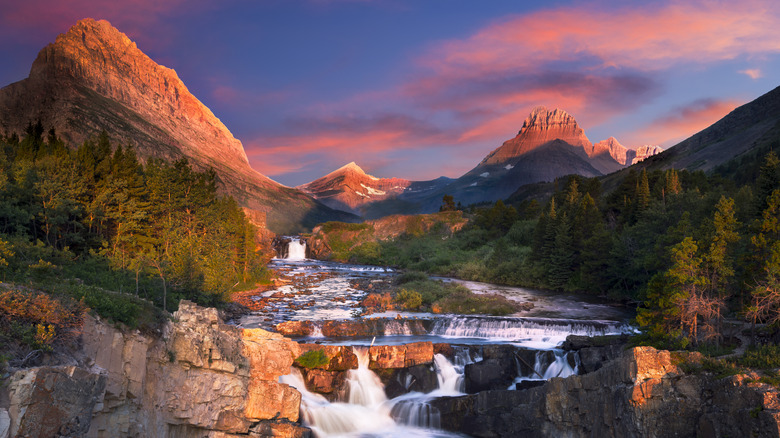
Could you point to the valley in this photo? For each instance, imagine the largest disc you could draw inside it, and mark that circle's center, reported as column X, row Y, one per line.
column 153, row 283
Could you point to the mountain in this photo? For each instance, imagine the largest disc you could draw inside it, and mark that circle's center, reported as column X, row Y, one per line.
column 94, row 78
column 550, row 144
column 349, row 188
column 753, row 128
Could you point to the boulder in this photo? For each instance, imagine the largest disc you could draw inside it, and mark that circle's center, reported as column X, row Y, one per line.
column 419, row 378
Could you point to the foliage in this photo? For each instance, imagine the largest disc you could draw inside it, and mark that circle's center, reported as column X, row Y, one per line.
column 159, row 231
column 312, row 359
column 763, row 357
column 410, row 300
column 466, row 302
column 36, row 319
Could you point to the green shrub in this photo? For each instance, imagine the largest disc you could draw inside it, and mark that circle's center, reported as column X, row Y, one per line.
column 466, row 302
column 411, row 300
column 763, row 357
column 409, row 276
column 313, row 359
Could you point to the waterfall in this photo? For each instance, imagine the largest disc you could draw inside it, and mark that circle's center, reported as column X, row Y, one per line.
column 367, row 411
column 549, row 364
column 531, row 332
column 296, row 249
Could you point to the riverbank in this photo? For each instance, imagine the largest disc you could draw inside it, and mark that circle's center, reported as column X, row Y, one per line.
column 200, row 377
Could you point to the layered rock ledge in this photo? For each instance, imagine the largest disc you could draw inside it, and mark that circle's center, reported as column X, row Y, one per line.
column 201, row 378
column 643, row 393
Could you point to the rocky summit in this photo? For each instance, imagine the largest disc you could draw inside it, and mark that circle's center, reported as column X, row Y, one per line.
column 550, row 144
column 94, row 78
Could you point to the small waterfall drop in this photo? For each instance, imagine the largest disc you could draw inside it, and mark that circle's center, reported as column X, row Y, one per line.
column 296, row 249
column 538, row 333
column 549, row 364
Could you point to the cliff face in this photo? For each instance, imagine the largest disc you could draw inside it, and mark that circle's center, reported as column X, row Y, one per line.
column 643, row 393
column 94, row 78
column 201, row 378
column 539, row 128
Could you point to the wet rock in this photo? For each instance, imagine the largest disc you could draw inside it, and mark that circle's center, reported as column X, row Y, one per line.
column 324, row 382
column 419, row 378
column 400, row 356
column 340, row 358
column 527, row 384
column 488, row 374
column 295, row 328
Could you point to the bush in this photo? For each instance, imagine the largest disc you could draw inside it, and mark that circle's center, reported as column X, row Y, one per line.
column 313, row 359
column 411, row 300
column 466, row 302
column 410, row 276
column 763, row 357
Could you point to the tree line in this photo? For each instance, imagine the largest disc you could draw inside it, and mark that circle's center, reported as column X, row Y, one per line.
column 690, row 248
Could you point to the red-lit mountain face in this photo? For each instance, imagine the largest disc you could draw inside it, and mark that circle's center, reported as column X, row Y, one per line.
column 349, row 188
column 94, row 78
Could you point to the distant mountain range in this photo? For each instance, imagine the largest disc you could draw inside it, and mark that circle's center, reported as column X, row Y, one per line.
column 550, row 144
column 94, row 78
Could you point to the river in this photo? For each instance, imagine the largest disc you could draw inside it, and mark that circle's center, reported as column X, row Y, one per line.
column 317, row 291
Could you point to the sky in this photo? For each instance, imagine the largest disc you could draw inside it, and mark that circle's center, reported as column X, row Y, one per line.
column 418, row 89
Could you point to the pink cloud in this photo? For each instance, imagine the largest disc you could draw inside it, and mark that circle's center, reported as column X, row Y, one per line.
column 588, row 61
column 685, row 121
column 649, row 38
column 752, row 73
column 359, row 139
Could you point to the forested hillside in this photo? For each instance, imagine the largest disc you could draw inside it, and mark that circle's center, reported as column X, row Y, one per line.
column 691, row 248
column 96, row 229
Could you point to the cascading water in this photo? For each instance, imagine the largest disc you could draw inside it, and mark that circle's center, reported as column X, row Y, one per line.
column 296, row 249
column 368, row 411
column 549, row 364
column 530, row 332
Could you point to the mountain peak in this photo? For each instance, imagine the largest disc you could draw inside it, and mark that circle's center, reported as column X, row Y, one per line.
column 541, row 127
column 96, row 55
column 351, row 166
column 542, row 118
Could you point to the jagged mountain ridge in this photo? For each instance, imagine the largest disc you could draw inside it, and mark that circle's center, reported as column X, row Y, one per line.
column 550, row 144
column 94, row 78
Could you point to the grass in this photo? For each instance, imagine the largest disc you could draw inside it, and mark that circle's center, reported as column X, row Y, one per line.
column 468, row 303
column 312, row 359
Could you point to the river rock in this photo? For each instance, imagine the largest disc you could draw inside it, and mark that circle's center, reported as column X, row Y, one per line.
column 328, row 383
column 295, row 328
column 400, row 356
column 340, row 358
column 418, row 378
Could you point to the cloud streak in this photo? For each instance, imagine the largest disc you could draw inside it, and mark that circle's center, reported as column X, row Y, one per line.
column 686, row 120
